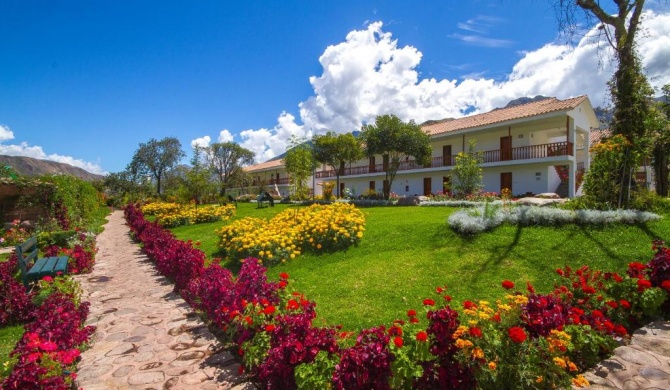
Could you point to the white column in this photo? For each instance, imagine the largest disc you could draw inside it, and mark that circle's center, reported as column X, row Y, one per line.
column 571, row 178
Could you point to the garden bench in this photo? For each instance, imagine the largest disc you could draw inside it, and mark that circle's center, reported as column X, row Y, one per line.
column 46, row 266
column 265, row 197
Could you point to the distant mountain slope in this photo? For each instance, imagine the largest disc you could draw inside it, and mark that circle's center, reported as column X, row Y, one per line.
column 28, row 166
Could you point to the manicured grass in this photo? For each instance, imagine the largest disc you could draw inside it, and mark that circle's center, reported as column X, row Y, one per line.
column 9, row 336
column 408, row 251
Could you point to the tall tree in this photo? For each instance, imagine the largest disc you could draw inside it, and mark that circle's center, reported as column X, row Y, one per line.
column 155, row 158
column 629, row 87
column 197, row 183
column 300, row 163
column 395, row 141
column 337, row 150
column 227, row 160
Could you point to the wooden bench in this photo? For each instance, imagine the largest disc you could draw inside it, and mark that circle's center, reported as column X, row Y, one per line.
column 46, row 266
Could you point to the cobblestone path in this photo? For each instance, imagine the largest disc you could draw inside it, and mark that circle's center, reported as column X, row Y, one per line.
column 147, row 337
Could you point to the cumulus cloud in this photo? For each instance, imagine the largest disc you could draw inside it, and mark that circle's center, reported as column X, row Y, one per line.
column 368, row 74
column 202, row 142
column 225, row 136
column 25, row 150
column 6, row 133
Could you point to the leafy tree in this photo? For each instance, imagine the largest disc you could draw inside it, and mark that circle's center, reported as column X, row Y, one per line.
column 300, row 163
column 337, row 150
column 197, row 184
column 395, row 141
column 156, row 158
column 227, row 161
column 468, row 173
column 629, row 88
column 121, row 187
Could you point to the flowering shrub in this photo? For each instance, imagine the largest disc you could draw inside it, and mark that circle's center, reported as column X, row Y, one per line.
column 173, row 214
column 15, row 301
column 14, row 235
column 81, row 253
column 46, row 355
column 526, row 341
column 317, row 228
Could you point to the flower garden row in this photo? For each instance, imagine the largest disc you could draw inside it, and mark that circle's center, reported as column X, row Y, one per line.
column 46, row 355
column 174, row 214
column 318, row 228
column 526, row 340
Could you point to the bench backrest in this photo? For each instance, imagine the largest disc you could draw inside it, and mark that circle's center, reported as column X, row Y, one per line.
column 26, row 252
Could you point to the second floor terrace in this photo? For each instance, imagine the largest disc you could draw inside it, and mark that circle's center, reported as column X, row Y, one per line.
column 541, row 151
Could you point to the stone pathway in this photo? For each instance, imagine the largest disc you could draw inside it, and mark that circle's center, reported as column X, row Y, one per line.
column 147, row 337
column 644, row 364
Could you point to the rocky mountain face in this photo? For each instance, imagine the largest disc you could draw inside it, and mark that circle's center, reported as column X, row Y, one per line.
column 28, row 166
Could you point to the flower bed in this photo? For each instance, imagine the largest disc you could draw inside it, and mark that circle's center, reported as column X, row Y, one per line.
column 173, row 214
column 318, row 228
column 527, row 340
column 46, row 355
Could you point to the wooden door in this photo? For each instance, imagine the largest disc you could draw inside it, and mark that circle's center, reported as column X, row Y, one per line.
column 372, row 185
column 446, row 155
column 505, row 181
column 427, row 186
column 371, row 166
column 505, row 148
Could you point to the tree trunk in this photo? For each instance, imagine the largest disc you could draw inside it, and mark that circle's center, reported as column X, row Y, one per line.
column 660, row 171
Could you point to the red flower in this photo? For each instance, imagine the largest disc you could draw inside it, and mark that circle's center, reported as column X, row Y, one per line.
column 447, row 298
column 560, row 271
column 588, row 290
column 496, row 317
column 624, row 303
column 398, row 341
column 469, row 305
column 643, row 284
column 517, row 334
column 248, row 320
column 414, row 320
column 269, row 327
column 666, row 285
column 428, row 302
column 439, row 290
column 617, row 278
column 422, row 336
column 612, row 304
column 282, row 283
column 292, row 304
column 48, row 279
column 395, row 331
column 636, row 266
column 597, row 314
column 269, row 310
column 475, row 332
column 508, row 284
column 283, row 275
column 620, row 330
column 411, row 313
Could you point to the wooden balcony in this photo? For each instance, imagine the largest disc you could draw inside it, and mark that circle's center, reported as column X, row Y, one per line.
column 488, row 156
column 271, row 182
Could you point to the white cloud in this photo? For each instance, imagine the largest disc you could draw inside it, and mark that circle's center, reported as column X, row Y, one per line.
column 202, row 142
column 225, row 136
column 368, row 74
column 6, row 133
column 25, row 150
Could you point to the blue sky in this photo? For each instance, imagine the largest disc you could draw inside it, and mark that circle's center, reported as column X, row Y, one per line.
column 85, row 82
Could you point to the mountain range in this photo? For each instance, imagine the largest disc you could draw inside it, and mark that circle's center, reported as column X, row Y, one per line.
column 28, row 166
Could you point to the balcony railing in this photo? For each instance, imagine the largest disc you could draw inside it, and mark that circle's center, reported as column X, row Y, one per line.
column 271, row 182
column 488, row 156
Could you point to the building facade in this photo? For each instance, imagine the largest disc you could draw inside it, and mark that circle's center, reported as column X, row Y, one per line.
column 531, row 148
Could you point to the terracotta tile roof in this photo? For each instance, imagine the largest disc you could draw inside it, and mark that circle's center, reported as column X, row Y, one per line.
column 264, row 165
column 596, row 136
column 505, row 114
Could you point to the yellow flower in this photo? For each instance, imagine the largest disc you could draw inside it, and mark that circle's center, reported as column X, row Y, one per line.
column 492, row 366
column 460, row 343
column 572, row 366
column 477, row 353
column 580, row 381
column 560, row 362
column 539, row 379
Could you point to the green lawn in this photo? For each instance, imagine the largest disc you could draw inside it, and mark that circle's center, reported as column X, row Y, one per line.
column 408, row 251
column 9, row 336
